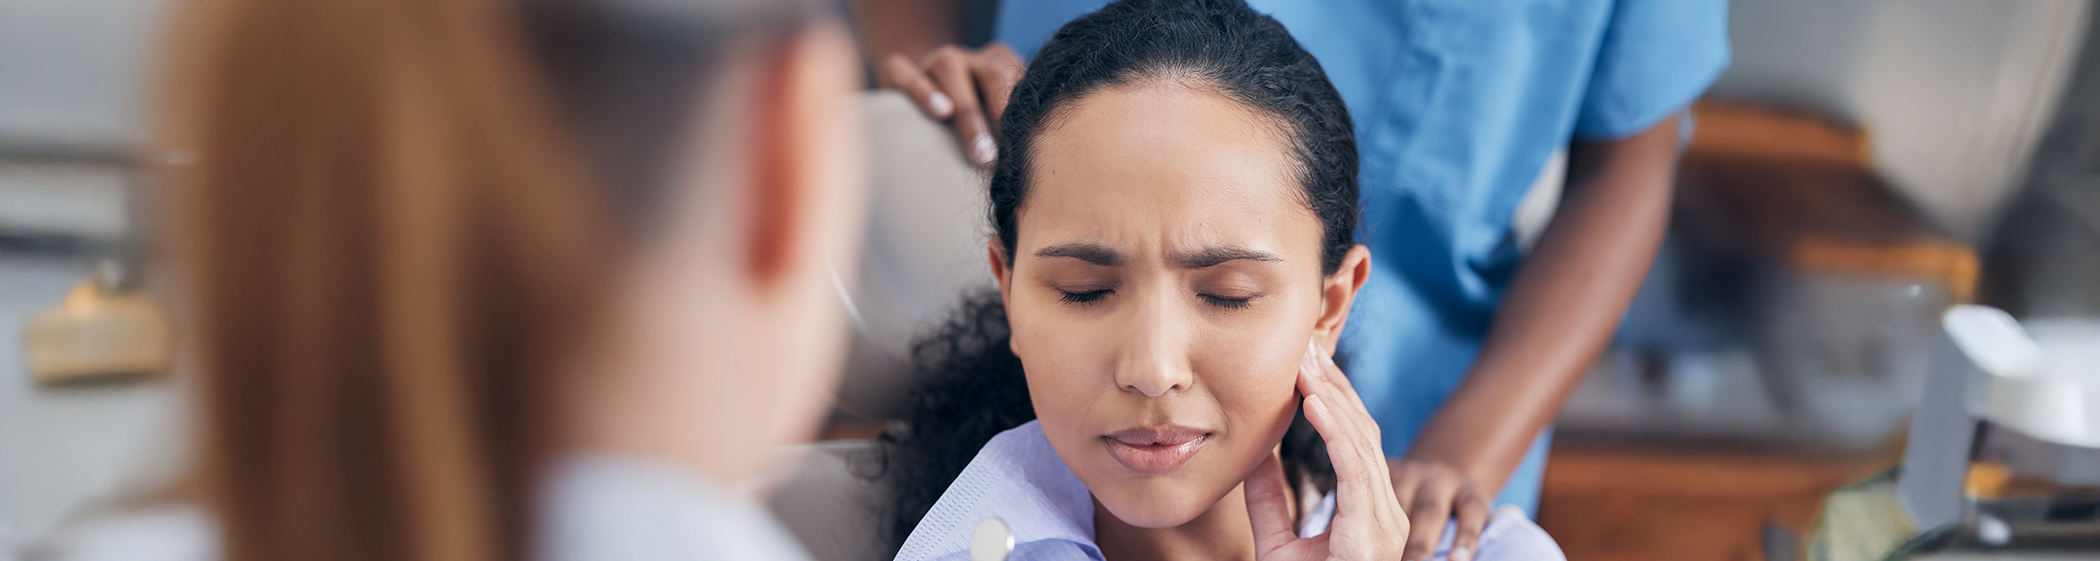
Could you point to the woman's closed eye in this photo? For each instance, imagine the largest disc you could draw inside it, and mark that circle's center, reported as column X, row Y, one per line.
column 1229, row 291
column 1227, row 302
column 1083, row 297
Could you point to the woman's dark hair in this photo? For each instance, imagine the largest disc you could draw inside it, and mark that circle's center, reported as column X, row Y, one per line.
column 971, row 384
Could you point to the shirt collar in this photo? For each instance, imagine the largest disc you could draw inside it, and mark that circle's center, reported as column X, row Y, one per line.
column 1019, row 478
column 604, row 507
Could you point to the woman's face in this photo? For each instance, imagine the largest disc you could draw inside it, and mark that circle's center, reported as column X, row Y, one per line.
column 1164, row 285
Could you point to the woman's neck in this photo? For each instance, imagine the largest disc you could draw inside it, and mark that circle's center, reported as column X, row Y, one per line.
column 1223, row 532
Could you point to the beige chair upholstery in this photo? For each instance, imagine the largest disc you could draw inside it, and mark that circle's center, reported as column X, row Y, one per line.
column 925, row 247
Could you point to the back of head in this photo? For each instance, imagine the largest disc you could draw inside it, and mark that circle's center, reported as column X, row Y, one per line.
column 395, row 217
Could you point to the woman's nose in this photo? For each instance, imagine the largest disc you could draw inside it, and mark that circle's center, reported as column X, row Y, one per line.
column 1155, row 358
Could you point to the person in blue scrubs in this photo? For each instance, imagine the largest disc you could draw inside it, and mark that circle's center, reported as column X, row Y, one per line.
column 1465, row 342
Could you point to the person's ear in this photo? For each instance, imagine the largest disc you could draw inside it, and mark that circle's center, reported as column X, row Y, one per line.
column 1000, row 271
column 804, row 185
column 1337, row 293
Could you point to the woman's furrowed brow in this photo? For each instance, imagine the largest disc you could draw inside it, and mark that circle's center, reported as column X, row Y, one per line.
column 1198, row 259
column 1082, row 251
column 1213, row 256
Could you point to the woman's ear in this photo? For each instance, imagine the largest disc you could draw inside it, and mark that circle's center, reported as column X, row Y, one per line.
column 1004, row 274
column 997, row 259
column 1338, row 292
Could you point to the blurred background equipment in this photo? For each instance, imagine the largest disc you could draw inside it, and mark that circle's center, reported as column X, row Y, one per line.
column 107, row 328
column 1771, row 358
column 1829, row 207
column 2003, row 456
column 2005, row 448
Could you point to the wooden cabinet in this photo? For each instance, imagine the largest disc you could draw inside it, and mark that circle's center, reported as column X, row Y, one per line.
column 1617, row 503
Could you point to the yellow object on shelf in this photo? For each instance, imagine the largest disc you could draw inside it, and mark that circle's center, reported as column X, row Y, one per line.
column 1987, row 480
column 97, row 334
column 1861, row 522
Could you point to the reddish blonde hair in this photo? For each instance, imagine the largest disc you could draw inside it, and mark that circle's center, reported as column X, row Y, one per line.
column 388, row 239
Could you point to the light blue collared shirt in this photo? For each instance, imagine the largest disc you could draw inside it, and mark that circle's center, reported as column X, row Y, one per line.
column 1020, row 479
column 612, row 508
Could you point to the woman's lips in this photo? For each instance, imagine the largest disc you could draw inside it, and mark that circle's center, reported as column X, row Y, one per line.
column 1155, row 450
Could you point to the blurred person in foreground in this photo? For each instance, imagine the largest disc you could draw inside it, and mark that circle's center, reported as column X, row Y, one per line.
column 476, row 280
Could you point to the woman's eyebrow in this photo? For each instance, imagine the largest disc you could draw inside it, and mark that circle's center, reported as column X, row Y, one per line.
column 1082, row 251
column 1212, row 256
column 1202, row 258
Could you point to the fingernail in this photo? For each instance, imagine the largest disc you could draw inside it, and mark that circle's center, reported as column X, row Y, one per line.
column 1317, row 403
column 983, row 149
column 1461, row 554
column 940, row 104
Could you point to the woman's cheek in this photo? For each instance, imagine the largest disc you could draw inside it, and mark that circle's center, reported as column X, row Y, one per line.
column 1064, row 366
column 1255, row 375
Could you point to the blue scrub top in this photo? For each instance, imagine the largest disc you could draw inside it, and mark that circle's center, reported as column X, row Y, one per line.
column 1458, row 105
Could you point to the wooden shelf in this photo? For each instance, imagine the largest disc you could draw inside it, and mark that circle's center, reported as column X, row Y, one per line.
column 1684, row 505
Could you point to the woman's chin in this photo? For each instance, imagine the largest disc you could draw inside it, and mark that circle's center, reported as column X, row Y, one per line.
column 1156, row 502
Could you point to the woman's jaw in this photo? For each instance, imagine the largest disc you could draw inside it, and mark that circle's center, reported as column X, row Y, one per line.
column 1162, row 471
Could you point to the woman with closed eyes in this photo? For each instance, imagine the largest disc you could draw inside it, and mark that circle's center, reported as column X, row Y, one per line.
column 1173, row 210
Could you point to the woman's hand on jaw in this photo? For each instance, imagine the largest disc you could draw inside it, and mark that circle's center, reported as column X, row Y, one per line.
column 1368, row 521
column 1436, row 492
column 966, row 87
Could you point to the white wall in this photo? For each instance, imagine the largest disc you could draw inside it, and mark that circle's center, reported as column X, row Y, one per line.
column 72, row 72
column 1954, row 93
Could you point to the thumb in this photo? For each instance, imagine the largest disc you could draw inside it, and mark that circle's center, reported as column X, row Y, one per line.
column 1268, row 506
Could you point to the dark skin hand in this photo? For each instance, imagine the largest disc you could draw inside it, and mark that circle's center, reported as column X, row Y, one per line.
column 911, row 46
column 1561, row 308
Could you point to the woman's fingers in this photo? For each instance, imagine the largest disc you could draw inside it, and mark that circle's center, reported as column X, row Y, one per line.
column 1354, row 431
column 1326, row 361
column 1369, row 522
column 1428, row 512
column 1353, row 480
column 1268, row 506
column 1473, row 511
column 950, row 67
column 1337, row 433
column 898, row 71
column 1328, row 379
column 1328, row 410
